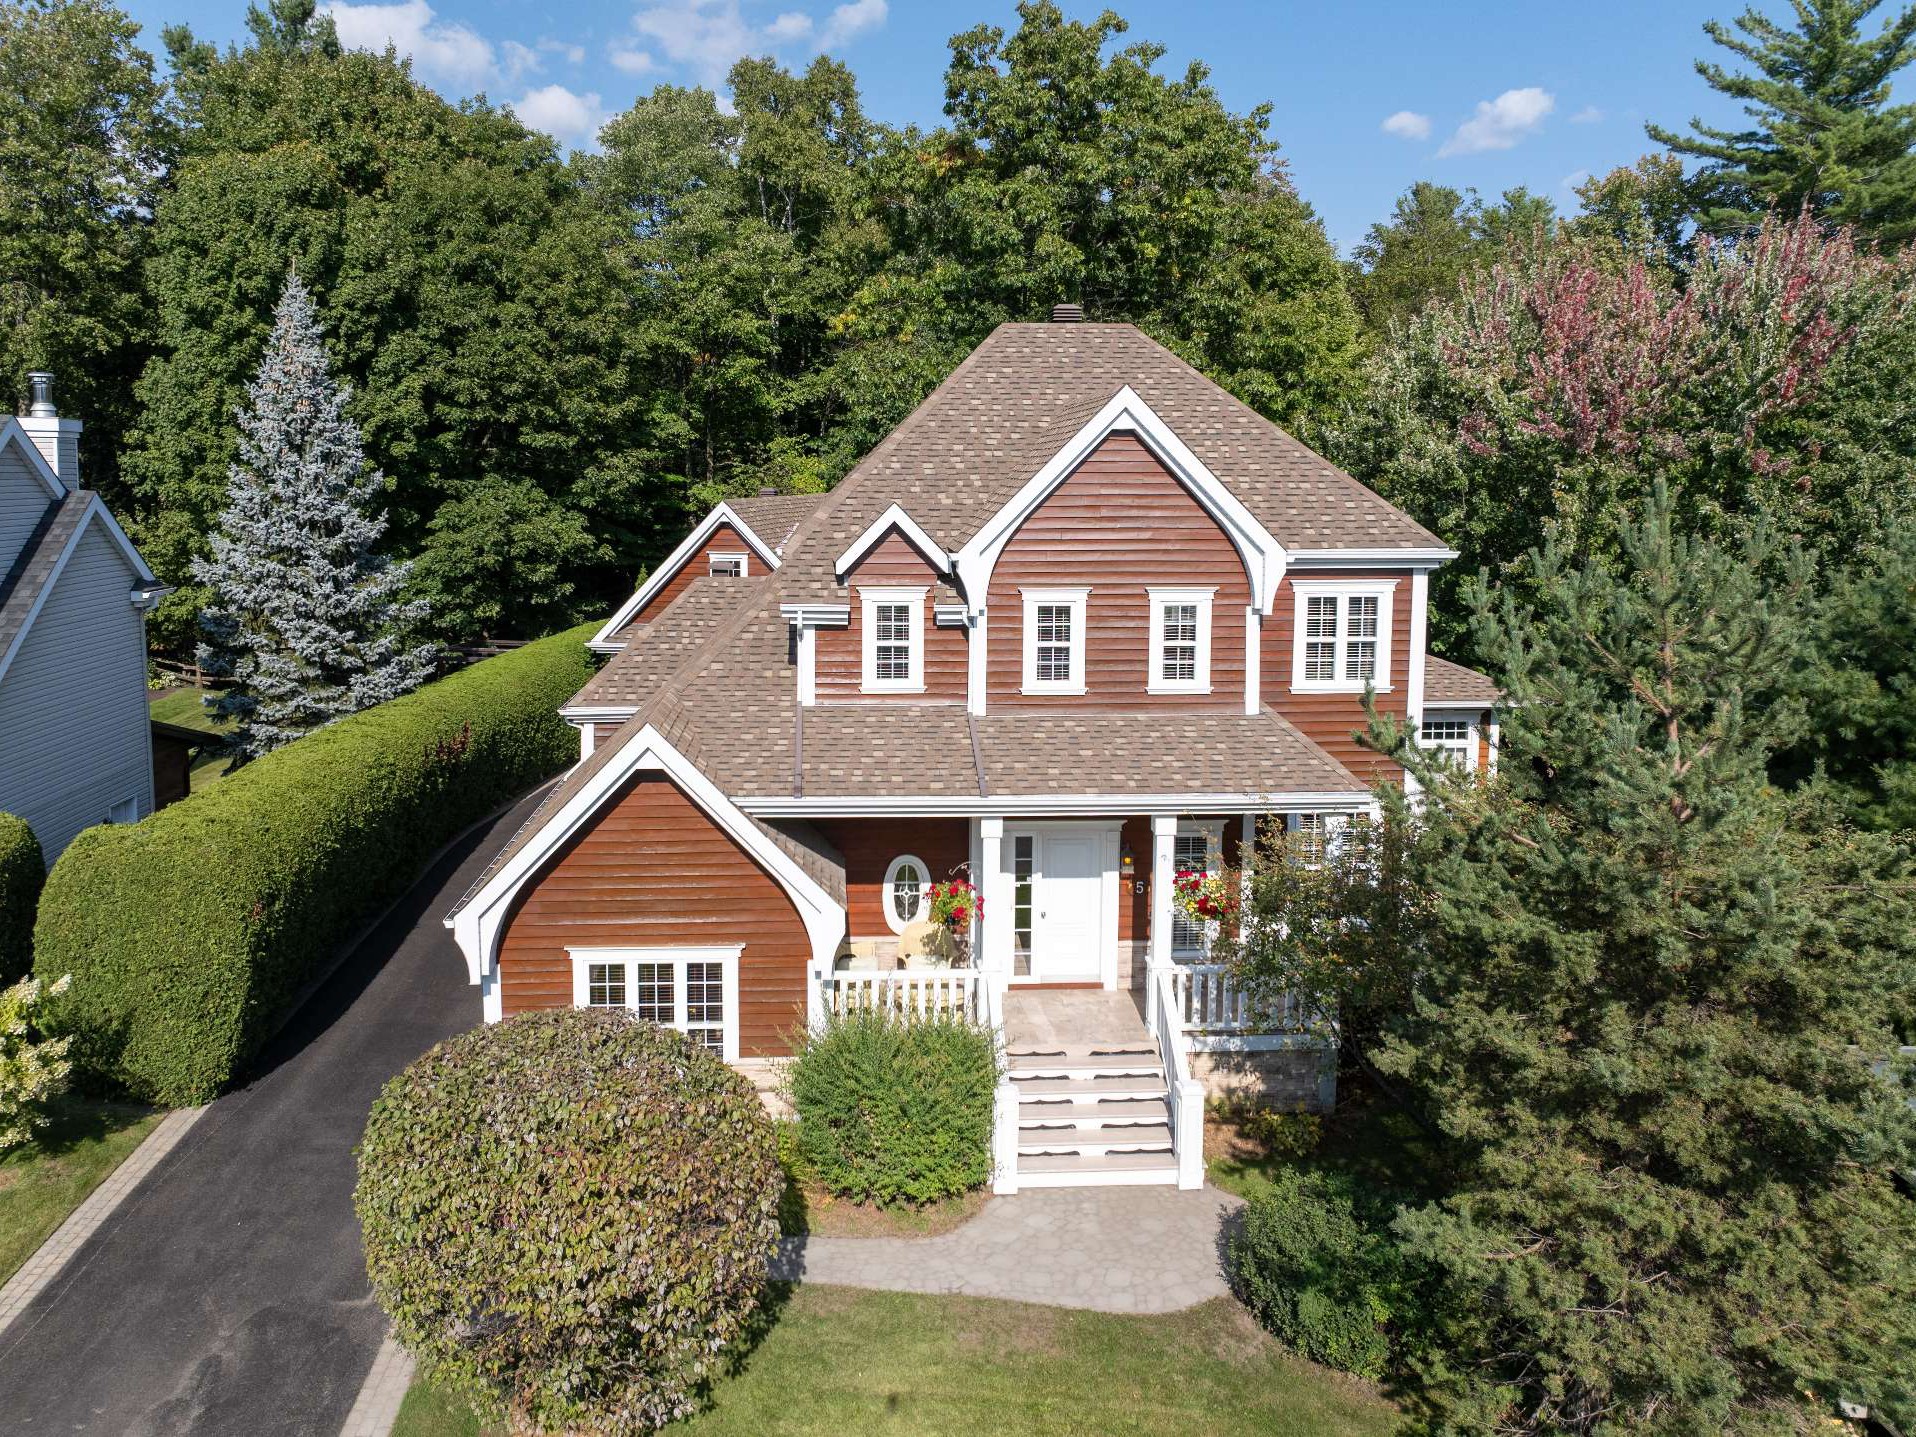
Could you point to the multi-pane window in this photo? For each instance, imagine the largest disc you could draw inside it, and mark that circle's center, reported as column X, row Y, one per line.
column 693, row 990
column 1193, row 851
column 727, row 566
column 1054, row 643
column 1023, row 871
column 1449, row 737
column 906, row 892
column 1178, row 662
column 1343, row 635
column 1310, row 836
column 892, row 625
column 1180, row 640
column 1054, row 640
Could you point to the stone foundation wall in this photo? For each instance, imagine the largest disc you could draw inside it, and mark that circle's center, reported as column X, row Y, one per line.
column 767, row 1075
column 1301, row 1079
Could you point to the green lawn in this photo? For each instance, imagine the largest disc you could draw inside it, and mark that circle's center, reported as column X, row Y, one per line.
column 48, row 1178
column 183, row 707
column 840, row 1360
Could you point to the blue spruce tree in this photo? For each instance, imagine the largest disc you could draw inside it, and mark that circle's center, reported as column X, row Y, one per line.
column 306, row 620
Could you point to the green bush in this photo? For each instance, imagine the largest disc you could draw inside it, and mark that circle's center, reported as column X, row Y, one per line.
column 893, row 1111
column 568, row 1217
column 1318, row 1275
column 23, row 870
column 191, row 934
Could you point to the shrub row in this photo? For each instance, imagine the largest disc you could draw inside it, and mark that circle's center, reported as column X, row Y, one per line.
column 22, row 871
column 191, row 934
column 892, row 1111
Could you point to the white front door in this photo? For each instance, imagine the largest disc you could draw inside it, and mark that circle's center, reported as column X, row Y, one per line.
column 1065, row 905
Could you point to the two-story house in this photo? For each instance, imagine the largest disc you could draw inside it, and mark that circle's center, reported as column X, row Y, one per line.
column 76, row 748
column 1081, row 621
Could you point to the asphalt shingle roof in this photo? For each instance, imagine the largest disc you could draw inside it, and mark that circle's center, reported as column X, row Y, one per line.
column 1448, row 683
column 31, row 569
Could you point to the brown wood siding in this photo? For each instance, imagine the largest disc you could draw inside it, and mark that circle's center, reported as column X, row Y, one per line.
column 1334, row 720
column 653, row 871
column 892, row 562
column 870, row 844
column 1119, row 525
column 1483, row 742
column 723, row 540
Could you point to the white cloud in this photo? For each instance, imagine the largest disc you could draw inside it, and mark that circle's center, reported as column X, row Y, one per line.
column 633, row 62
column 1408, row 125
column 1568, row 184
column 1588, row 115
column 573, row 54
column 570, row 118
column 1501, row 123
column 518, row 60
column 707, row 36
column 440, row 50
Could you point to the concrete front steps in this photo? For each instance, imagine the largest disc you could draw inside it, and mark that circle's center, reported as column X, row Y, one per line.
column 1092, row 1116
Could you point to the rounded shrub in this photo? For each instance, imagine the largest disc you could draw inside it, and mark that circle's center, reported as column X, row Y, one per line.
column 891, row 1110
column 1317, row 1275
column 23, row 871
column 568, row 1216
column 192, row 934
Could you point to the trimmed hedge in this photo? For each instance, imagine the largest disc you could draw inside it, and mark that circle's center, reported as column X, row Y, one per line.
column 569, row 1217
column 895, row 1111
column 191, row 934
column 23, row 870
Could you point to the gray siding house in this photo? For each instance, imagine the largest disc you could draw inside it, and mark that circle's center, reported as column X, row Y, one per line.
column 76, row 748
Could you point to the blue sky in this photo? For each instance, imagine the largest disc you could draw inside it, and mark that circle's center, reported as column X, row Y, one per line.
column 1366, row 98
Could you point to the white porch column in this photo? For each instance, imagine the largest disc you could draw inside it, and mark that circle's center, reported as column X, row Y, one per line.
column 1164, row 834
column 994, row 884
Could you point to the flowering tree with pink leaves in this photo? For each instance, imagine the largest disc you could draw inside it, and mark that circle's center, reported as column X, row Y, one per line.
column 1774, row 377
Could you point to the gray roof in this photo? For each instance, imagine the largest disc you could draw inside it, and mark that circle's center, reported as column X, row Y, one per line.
column 773, row 517
column 655, row 648
column 32, row 568
column 1448, row 683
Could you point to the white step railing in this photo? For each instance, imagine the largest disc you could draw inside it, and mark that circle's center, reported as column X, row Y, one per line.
column 1208, row 998
column 910, row 993
column 1186, row 1093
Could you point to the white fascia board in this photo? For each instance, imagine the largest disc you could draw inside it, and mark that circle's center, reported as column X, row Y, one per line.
column 95, row 512
column 951, row 616
column 1370, row 558
column 1264, row 558
column 597, row 713
column 894, row 517
column 603, row 642
column 477, row 926
column 12, row 432
column 1118, row 805
column 816, row 616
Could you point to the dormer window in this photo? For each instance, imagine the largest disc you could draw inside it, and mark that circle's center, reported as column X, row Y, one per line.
column 725, row 566
column 1180, row 641
column 893, row 621
column 1342, row 639
column 1054, row 640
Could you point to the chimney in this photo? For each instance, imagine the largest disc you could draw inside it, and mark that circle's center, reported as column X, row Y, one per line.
column 1067, row 314
column 56, row 438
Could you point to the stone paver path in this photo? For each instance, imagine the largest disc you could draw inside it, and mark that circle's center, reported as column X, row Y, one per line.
column 1114, row 1249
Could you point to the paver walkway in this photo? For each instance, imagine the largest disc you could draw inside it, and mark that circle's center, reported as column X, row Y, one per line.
column 1114, row 1249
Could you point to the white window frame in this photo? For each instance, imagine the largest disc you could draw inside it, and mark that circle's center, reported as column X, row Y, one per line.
column 914, row 600
column 127, row 810
column 1079, row 602
column 892, row 920
column 727, row 957
column 1468, row 748
column 1342, row 590
column 713, row 559
column 1211, row 830
column 1330, row 830
column 1161, row 599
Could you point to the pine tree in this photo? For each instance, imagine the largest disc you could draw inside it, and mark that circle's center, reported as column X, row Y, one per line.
column 1825, row 134
column 306, row 618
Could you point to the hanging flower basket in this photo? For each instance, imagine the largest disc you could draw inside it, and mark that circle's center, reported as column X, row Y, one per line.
column 1210, row 897
column 956, row 904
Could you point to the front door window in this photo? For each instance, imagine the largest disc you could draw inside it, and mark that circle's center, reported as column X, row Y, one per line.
column 1023, row 877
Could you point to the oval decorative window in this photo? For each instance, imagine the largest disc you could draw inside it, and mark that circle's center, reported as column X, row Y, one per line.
column 907, row 892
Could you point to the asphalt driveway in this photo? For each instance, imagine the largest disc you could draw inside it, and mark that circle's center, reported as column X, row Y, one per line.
column 227, row 1294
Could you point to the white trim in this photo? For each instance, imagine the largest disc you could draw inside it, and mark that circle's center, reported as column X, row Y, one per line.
column 1079, row 602
column 585, row 741
column 1157, row 599
column 1472, row 720
column 817, row 616
column 95, row 510
column 913, row 600
column 892, row 920
column 604, row 713
column 807, row 665
column 477, row 926
column 11, row 428
column 1107, row 836
column 717, row 555
column 950, row 616
column 894, row 517
column 1417, row 637
column 603, row 642
column 1263, row 556
column 977, row 672
column 1090, row 805
column 726, row 956
column 1381, row 558
column 1253, row 659
column 1342, row 589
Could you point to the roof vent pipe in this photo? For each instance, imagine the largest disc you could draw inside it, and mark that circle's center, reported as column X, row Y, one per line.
column 40, row 387
column 1067, row 314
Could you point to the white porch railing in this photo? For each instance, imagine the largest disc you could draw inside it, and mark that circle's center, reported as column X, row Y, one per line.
column 910, row 993
column 1208, row 998
column 1186, row 1096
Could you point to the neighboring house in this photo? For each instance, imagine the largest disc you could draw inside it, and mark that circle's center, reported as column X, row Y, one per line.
column 75, row 747
column 1081, row 621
